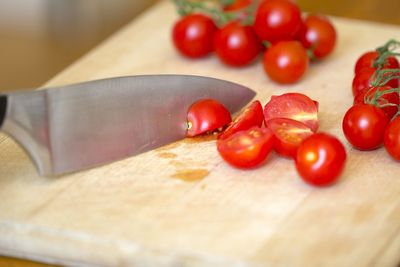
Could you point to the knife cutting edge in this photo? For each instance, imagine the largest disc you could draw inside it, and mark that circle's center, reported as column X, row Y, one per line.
column 74, row 127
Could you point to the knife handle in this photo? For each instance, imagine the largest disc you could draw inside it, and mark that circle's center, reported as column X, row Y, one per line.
column 3, row 109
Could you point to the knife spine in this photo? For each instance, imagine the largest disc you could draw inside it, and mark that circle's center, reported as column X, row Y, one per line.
column 3, row 109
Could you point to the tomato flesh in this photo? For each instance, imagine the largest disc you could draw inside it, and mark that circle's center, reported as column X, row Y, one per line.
column 288, row 135
column 364, row 125
column 320, row 159
column 391, row 138
column 246, row 149
column 294, row 106
column 250, row 117
column 206, row 115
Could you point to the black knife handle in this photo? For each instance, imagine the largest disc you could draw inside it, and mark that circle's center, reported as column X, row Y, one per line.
column 3, row 109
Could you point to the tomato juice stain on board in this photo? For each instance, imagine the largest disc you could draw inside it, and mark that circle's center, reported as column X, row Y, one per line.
column 168, row 147
column 191, row 175
column 200, row 138
column 167, row 155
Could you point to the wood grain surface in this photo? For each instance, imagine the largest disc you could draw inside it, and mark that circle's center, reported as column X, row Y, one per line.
column 181, row 205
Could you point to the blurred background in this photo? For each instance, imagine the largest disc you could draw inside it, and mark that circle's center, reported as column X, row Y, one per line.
column 39, row 38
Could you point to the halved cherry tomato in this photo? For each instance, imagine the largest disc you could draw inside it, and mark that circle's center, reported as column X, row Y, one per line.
column 367, row 60
column 390, row 98
column 250, row 117
column 277, row 20
column 193, row 35
column 206, row 115
column 289, row 134
column 319, row 35
column 294, row 106
column 246, row 149
column 364, row 125
column 320, row 159
column 237, row 45
column 286, row 62
column 391, row 138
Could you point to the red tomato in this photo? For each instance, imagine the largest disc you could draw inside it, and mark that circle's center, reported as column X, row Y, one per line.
column 391, row 98
column 293, row 106
column 288, row 135
column 320, row 159
column 286, row 62
column 246, row 149
column 250, row 117
column 237, row 45
column 193, row 35
column 206, row 115
column 277, row 20
column 237, row 5
column 367, row 60
column 391, row 138
column 319, row 35
column 364, row 79
column 364, row 125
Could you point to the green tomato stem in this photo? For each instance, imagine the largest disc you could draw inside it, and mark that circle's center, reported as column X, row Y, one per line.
column 215, row 9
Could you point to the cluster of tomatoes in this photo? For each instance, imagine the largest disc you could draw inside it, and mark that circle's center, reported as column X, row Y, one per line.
column 288, row 124
column 374, row 119
column 238, row 31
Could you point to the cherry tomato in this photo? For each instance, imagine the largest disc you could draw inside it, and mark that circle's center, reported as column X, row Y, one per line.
column 367, row 60
column 288, row 135
column 237, row 5
column 293, row 106
column 237, row 45
column 246, row 149
column 206, row 115
column 193, row 35
column 277, row 20
column 364, row 125
column 286, row 62
column 364, row 79
column 390, row 98
column 320, row 159
column 391, row 138
column 250, row 117
column 319, row 35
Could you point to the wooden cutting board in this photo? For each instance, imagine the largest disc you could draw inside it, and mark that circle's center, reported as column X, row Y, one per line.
column 181, row 205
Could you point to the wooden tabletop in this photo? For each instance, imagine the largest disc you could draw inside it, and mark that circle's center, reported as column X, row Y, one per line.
column 265, row 216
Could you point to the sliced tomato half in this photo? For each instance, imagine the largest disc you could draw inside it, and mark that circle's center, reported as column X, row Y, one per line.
column 289, row 134
column 246, row 149
column 293, row 106
column 250, row 117
column 206, row 115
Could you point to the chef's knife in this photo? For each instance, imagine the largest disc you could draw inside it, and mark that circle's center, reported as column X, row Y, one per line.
column 78, row 126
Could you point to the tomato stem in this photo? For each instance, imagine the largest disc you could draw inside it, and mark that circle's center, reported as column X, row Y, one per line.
column 215, row 9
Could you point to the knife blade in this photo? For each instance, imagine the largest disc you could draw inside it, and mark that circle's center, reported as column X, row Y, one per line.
column 69, row 128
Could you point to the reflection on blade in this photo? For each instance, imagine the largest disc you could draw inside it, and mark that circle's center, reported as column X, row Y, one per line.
column 78, row 126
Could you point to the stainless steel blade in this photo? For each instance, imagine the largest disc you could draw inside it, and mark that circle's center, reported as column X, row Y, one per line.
column 74, row 127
